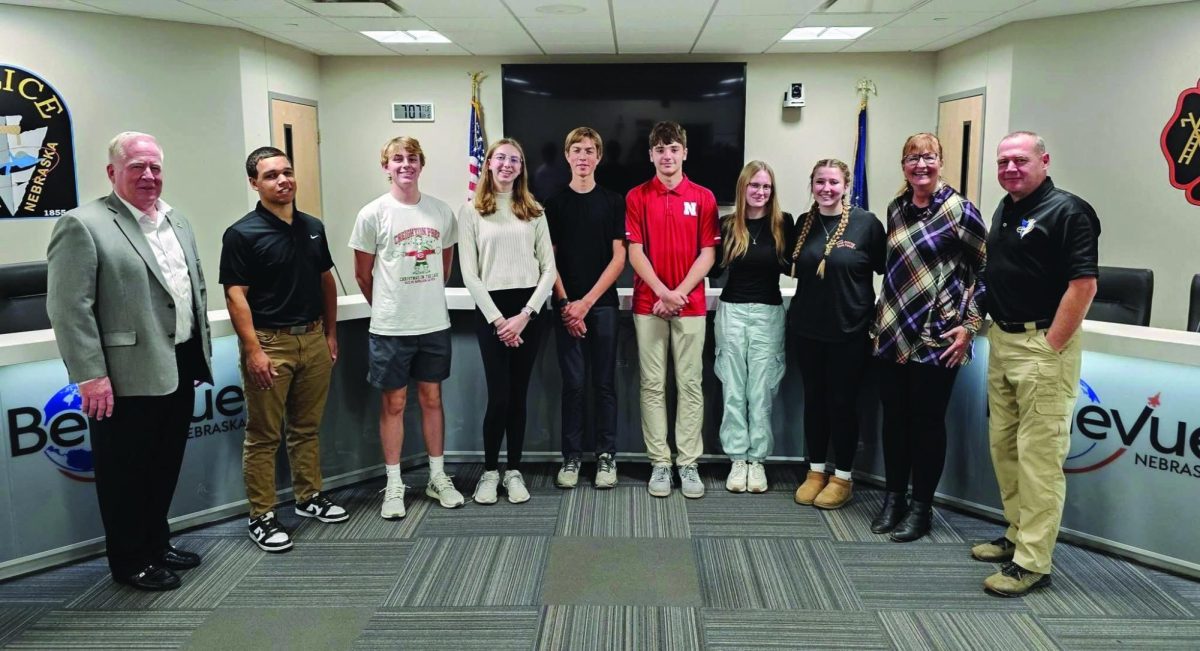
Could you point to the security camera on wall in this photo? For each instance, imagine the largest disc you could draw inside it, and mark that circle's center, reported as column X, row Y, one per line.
column 794, row 97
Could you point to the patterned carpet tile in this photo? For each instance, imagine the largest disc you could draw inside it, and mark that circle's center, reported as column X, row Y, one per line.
column 773, row 574
column 1088, row 583
column 1186, row 588
column 279, row 626
column 226, row 561
column 231, row 528
column 463, row 572
column 747, row 515
column 111, row 629
column 537, row 517
column 622, row 571
column 619, row 628
column 14, row 620
column 852, row 523
column 363, row 502
column 622, row 512
column 964, row 630
column 729, row 630
column 970, row 528
column 55, row 586
column 461, row 629
column 322, row 574
column 1087, row 633
column 911, row 577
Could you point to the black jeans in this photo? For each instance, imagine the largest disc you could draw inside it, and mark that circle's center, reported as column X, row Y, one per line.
column 597, row 352
column 507, row 371
column 138, row 453
column 915, row 397
column 832, row 373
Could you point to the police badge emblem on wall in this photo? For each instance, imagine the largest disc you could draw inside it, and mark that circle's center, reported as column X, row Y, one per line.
column 37, row 152
column 1180, row 141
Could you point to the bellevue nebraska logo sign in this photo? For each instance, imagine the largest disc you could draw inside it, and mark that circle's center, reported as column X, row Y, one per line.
column 1181, row 142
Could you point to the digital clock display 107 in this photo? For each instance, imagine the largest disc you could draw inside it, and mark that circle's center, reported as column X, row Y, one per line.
column 412, row 112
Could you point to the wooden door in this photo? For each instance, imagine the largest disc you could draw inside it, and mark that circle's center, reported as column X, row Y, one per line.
column 294, row 130
column 960, row 128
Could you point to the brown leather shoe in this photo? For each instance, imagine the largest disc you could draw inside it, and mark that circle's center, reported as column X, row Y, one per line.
column 836, row 494
column 814, row 482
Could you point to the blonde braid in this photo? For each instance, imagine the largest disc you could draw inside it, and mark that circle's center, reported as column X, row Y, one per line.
column 837, row 236
column 808, row 222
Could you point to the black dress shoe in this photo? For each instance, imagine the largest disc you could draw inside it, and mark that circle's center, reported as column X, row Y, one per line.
column 916, row 524
column 178, row 559
column 153, row 578
column 894, row 508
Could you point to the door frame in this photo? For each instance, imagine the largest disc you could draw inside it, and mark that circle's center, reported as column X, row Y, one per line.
column 271, row 96
column 974, row 92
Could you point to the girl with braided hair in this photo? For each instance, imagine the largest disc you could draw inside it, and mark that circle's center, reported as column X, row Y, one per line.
column 835, row 256
column 755, row 244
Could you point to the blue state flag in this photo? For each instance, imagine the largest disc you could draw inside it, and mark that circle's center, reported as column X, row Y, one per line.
column 858, row 198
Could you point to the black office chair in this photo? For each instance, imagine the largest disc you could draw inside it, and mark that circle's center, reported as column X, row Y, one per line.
column 1123, row 295
column 1193, row 324
column 23, row 297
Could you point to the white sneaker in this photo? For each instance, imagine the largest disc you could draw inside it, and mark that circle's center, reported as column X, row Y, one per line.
column 393, row 500
column 606, row 471
column 736, row 483
column 268, row 534
column 689, row 481
column 757, row 480
column 485, row 490
column 514, row 485
column 568, row 474
column 660, row 480
column 441, row 488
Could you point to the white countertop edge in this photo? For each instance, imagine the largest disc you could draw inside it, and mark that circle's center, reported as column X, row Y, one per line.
column 1174, row 346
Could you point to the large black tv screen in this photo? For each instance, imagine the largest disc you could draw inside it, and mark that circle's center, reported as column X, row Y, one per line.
column 542, row 103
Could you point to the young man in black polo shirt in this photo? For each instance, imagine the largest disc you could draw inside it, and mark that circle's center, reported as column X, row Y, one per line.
column 282, row 301
column 587, row 226
column 1040, row 278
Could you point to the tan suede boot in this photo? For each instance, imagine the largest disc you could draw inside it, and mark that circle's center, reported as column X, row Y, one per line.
column 835, row 495
column 814, row 482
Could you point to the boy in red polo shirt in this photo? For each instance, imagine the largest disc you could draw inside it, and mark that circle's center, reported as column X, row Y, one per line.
column 671, row 225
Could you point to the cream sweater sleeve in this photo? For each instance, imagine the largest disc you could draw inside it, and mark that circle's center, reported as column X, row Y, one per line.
column 468, row 260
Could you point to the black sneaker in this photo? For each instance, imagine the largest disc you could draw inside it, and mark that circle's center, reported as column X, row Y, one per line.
column 268, row 534
column 322, row 508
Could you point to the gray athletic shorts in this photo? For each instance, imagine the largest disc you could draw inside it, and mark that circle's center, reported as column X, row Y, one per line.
column 392, row 361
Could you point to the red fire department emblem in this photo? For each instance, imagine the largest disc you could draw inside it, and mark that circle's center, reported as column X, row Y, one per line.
column 1180, row 142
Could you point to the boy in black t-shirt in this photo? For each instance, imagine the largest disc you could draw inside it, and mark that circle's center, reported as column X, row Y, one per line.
column 587, row 226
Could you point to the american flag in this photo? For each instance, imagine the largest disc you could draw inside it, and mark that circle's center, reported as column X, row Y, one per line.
column 476, row 147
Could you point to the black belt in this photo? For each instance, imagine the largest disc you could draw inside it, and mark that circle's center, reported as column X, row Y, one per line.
column 303, row 328
column 1019, row 326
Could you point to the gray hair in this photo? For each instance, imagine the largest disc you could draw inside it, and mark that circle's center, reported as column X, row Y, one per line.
column 1039, row 144
column 116, row 146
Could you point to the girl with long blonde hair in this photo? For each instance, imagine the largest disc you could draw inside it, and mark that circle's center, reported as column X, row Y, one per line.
column 749, row 324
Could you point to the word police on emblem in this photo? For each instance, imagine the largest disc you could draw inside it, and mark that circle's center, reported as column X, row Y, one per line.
column 37, row 155
column 1180, row 142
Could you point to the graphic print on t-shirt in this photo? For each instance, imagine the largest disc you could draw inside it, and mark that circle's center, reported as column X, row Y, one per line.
column 418, row 244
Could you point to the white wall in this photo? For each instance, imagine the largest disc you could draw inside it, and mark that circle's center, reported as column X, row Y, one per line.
column 202, row 91
column 1100, row 88
column 357, row 93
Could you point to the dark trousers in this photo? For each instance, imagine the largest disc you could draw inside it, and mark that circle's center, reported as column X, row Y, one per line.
column 832, row 373
column 138, row 453
column 507, row 371
column 597, row 352
column 915, row 397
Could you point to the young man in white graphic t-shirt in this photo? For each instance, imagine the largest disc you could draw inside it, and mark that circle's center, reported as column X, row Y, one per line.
column 403, row 247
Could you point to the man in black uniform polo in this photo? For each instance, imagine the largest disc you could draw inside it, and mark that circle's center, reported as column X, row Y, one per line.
column 282, row 300
column 1041, row 277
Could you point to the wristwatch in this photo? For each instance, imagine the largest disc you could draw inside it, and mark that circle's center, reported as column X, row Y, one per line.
column 528, row 311
column 560, row 303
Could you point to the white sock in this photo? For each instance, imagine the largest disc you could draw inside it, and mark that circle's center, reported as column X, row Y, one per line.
column 844, row 475
column 393, row 472
column 817, row 467
column 437, row 465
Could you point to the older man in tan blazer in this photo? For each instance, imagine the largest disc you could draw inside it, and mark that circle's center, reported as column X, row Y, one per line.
column 128, row 304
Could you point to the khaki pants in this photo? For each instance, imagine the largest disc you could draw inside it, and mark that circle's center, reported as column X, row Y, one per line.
column 1031, row 394
column 684, row 337
column 303, row 365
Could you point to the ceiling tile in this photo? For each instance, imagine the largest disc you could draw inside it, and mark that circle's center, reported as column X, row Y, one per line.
column 427, row 49
column 848, row 20
column 1148, row 3
column 334, row 43
column 580, row 48
column 904, row 33
column 285, row 25
column 743, row 42
column 886, row 45
column 378, row 24
column 249, row 8
column 528, row 8
column 341, row 9
column 957, row 6
column 788, row 47
column 567, row 24
column 69, row 5
column 872, row 6
column 1049, row 8
column 779, row 23
column 962, row 19
column 161, row 10
column 454, row 8
column 503, row 24
column 759, row 7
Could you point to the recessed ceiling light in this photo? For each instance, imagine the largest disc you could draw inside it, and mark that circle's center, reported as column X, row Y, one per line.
column 410, row 36
column 825, row 33
column 560, row 10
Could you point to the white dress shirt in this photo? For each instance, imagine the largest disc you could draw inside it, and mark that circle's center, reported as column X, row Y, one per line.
column 169, row 255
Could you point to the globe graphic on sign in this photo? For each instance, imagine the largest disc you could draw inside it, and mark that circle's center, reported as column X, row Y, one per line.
column 73, row 461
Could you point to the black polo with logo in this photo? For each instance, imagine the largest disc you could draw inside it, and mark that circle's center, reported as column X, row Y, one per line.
column 280, row 264
column 1035, row 248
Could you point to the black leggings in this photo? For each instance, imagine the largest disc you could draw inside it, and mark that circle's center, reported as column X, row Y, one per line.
column 832, row 374
column 507, row 371
column 915, row 397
